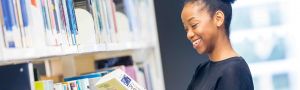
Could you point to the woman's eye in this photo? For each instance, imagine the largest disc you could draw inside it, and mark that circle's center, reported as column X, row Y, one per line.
column 194, row 26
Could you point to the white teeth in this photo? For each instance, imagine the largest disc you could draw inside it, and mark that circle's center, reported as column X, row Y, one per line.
column 195, row 43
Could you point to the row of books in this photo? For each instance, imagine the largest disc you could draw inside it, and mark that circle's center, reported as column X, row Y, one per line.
column 28, row 22
column 113, row 79
column 55, row 22
column 121, row 72
column 56, row 25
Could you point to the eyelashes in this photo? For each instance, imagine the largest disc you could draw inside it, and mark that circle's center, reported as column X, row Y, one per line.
column 195, row 26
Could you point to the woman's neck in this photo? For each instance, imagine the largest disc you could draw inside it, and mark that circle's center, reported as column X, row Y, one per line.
column 222, row 50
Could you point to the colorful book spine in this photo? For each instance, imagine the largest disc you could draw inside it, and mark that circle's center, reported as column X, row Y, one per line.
column 72, row 20
column 25, row 21
column 12, row 35
column 66, row 22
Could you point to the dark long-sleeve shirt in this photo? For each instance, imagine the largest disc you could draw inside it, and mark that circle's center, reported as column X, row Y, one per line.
column 230, row 74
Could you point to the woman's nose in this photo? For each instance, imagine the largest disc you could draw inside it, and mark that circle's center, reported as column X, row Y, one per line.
column 190, row 34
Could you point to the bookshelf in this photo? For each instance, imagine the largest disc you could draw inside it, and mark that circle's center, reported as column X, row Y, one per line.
column 67, row 37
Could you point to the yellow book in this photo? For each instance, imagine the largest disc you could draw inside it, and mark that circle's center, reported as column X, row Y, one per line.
column 39, row 85
column 112, row 84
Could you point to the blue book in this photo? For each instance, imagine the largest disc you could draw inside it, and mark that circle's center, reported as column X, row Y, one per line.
column 92, row 75
column 16, row 77
column 72, row 20
column 9, row 22
column 8, row 14
column 24, row 12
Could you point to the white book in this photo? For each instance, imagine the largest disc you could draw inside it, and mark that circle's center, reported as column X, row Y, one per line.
column 27, row 25
column 60, row 26
column 58, row 86
column 84, row 84
column 104, row 19
column 1, row 42
column 98, row 26
column 50, row 38
column 118, row 80
column 110, row 13
column 19, row 19
column 36, row 24
column 123, row 27
column 58, row 21
column 54, row 24
column 49, row 85
column 86, row 30
column 92, row 83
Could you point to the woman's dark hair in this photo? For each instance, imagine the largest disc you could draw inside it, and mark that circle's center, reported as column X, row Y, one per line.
column 215, row 5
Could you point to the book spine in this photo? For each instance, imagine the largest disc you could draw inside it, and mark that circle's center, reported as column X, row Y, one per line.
column 2, row 43
column 50, row 39
column 25, row 10
column 52, row 23
column 66, row 22
column 18, row 16
column 56, row 22
column 12, row 35
column 72, row 20
column 102, row 13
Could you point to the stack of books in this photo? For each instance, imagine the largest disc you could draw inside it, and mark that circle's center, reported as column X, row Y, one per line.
column 106, row 80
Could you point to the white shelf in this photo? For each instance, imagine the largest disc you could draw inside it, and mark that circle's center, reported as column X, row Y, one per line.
column 11, row 56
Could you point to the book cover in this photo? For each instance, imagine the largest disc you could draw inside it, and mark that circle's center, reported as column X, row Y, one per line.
column 39, row 85
column 112, row 84
column 73, row 85
column 17, row 74
column 58, row 86
column 91, row 75
column 117, row 79
column 84, row 84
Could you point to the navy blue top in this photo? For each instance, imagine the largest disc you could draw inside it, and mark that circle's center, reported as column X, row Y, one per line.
column 229, row 74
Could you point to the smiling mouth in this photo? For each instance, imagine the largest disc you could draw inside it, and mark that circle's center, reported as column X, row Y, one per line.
column 196, row 43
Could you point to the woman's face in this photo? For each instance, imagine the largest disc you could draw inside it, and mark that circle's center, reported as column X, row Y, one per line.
column 200, row 27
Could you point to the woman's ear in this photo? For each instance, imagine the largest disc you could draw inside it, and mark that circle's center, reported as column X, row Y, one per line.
column 219, row 18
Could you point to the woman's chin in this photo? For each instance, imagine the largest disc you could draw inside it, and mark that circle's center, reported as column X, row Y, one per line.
column 200, row 51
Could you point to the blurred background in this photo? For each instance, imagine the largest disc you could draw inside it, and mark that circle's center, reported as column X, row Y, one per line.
column 264, row 32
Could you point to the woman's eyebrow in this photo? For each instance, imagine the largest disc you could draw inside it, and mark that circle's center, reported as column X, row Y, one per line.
column 190, row 19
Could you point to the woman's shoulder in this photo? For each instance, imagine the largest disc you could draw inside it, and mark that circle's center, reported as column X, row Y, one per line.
column 236, row 65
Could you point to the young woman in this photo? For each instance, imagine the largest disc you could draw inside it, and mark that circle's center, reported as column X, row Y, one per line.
column 207, row 25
